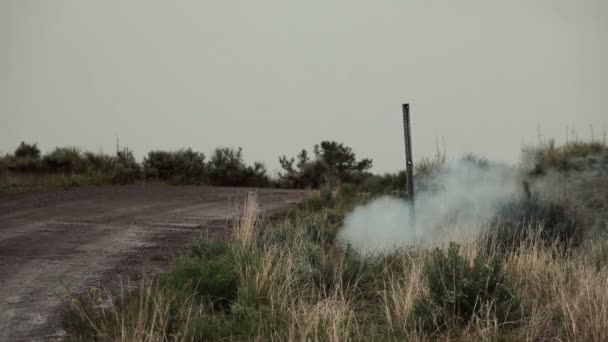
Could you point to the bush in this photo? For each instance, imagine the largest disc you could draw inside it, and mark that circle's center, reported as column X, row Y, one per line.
column 3, row 164
column 334, row 163
column 532, row 217
column 209, row 271
column 214, row 279
column 227, row 168
column 24, row 164
column 335, row 268
column 180, row 167
column 313, row 174
column 26, row 159
column 572, row 156
column 27, row 151
column 126, row 169
column 100, row 163
column 458, row 291
column 66, row 160
column 388, row 184
column 323, row 199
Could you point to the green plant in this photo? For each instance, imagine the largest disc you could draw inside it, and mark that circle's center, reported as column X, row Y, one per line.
column 25, row 150
column 3, row 164
column 334, row 163
column 549, row 221
column 66, row 160
column 26, row 159
column 126, row 169
column 459, row 290
column 100, row 163
column 227, row 168
column 179, row 167
column 387, row 184
column 574, row 155
column 213, row 279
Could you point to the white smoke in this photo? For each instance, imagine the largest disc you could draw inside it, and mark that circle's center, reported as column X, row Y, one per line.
column 458, row 199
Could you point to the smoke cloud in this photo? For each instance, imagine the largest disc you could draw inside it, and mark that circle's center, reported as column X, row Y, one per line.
column 458, row 200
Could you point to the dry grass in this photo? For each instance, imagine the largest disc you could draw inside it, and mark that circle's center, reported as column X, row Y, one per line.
column 566, row 295
column 145, row 319
column 328, row 319
column 244, row 226
column 563, row 294
column 401, row 290
column 548, row 155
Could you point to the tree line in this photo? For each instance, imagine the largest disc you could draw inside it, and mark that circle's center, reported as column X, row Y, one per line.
column 329, row 165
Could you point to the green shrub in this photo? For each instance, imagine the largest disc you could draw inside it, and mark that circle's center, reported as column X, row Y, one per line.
column 26, row 159
column 3, row 164
column 179, row 167
column 208, row 248
column 347, row 195
column 24, row 164
column 241, row 324
column 323, row 199
column 208, row 270
column 227, row 168
column 66, row 160
column 344, row 268
column 126, row 169
column 27, row 151
column 549, row 221
column 458, row 291
column 321, row 228
column 334, row 163
column 573, row 156
column 100, row 163
column 387, row 184
column 213, row 279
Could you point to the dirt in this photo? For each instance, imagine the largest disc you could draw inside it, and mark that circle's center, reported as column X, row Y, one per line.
column 53, row 242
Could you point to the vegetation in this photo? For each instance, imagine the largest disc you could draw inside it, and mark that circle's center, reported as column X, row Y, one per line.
column 227, row 168
column 573, row 156
column 63, row 167
column 179, row 167
column 27, row 168
column 333, row 164
column 533, row 278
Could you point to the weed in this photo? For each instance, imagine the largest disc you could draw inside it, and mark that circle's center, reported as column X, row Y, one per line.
column 457, row 290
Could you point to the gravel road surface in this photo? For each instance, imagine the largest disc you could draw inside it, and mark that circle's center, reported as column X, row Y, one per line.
column 52, row 241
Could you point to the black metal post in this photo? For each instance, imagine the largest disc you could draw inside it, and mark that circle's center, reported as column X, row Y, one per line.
column 409, row 160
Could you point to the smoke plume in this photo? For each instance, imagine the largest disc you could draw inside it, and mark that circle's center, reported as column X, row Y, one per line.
column 458, row 199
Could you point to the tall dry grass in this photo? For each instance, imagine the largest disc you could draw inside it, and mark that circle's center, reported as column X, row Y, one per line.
column 244, row 226
column 148, row 317
column 565, row 293
column 401, row 288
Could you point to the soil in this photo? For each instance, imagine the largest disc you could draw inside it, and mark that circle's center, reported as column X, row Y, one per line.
column 53, row 242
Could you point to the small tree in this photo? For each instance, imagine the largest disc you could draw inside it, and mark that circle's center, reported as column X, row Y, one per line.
column 227, row 168
column 25, row 159
column 27, row 151
column 334, row 163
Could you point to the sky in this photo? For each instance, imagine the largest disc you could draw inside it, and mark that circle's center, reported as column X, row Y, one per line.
column 276, row 76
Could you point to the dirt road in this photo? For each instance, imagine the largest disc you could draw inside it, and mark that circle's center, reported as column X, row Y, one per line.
column 93, row 237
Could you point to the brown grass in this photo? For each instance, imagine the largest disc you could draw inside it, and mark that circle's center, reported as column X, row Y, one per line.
column 243, row 229
column 564, row 295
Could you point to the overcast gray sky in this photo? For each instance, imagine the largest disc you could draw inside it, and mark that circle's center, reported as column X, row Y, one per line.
column 277, row 76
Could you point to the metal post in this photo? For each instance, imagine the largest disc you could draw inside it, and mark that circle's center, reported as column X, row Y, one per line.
column 409, row 160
